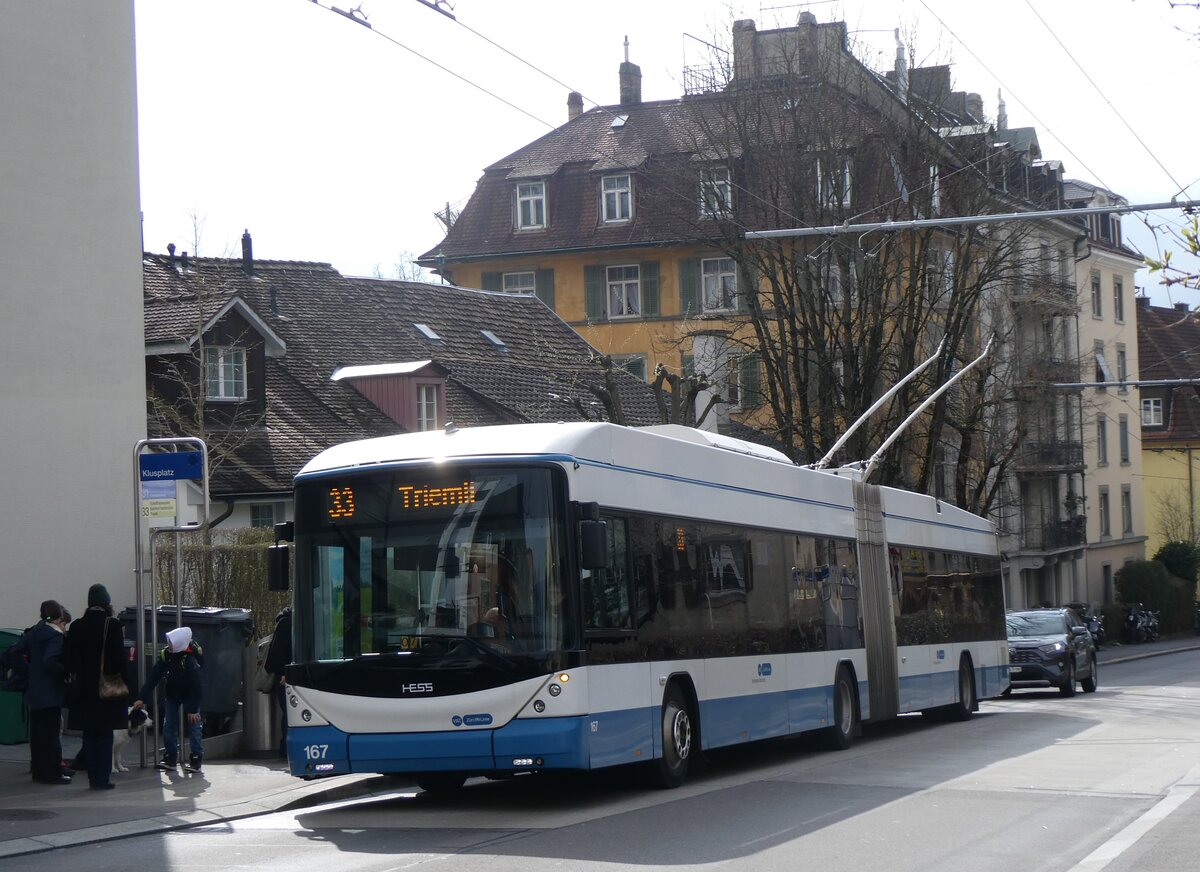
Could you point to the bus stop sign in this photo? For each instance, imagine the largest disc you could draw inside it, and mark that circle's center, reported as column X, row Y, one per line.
column 171, row 465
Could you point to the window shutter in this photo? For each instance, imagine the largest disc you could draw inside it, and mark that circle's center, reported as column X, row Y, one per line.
column 689, row 287
column 543, row 280
column 593, row 292
column 688, row 362
column 492, row 281
column 747, row 284
column 750, row 381
column 649, row 273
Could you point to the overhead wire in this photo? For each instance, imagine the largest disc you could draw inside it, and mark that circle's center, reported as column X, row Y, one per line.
column 1116, row 112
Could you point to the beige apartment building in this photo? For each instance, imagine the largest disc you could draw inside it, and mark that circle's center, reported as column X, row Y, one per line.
column 1112, row 426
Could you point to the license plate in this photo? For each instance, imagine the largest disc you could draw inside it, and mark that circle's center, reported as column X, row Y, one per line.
column 1013, row 670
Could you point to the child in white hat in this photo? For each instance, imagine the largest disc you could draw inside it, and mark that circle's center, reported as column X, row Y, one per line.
column 179, row 662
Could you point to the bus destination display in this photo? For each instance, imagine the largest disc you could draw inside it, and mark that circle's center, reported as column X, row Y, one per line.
column 342, row 502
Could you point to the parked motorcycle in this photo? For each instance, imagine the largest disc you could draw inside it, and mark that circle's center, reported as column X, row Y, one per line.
column 1091, row 620
column 1133, row 624
column 1148, row 629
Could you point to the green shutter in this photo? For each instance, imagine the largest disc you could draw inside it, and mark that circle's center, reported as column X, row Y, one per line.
column 747, row 285
column 492, row 281
column 689, row 287
column 688, row 365
column 543, row 282
column 593, row 292
column 649, row 276
column 750, row 381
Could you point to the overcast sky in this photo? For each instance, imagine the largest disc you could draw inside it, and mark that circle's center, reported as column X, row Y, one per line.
column 333, row 142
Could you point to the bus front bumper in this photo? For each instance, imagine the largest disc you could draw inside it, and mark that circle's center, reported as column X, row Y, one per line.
column 522, row 745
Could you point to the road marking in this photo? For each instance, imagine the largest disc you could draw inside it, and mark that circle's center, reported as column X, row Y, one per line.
column 1125, row 839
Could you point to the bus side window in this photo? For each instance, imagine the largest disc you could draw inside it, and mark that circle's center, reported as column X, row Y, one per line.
column 606, row 591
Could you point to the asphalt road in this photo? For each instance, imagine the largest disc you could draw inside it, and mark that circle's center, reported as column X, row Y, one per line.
column 1034, row 782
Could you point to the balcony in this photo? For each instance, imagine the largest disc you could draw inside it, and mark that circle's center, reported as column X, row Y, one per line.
column 1040, row 368
column 1047, row 457
column 1055, row 536
column 1053, row 294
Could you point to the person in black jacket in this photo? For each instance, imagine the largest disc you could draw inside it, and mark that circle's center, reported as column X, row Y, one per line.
column 279, row 655
column 96, row 643
column 179, row 663
column 42, row 646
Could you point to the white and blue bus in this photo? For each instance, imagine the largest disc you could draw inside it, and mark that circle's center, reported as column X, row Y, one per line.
column 500, row 600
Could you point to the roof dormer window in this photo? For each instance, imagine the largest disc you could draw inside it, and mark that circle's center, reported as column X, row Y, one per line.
column 224, row 373
column 617, row 203
column 531, row 205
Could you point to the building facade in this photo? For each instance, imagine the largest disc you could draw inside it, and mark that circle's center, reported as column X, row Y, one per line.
column 70, row 297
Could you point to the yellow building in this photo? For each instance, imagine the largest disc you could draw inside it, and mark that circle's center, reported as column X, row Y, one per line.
column 1168, row 342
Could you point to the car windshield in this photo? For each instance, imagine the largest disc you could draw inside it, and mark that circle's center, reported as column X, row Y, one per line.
column 1035, row 624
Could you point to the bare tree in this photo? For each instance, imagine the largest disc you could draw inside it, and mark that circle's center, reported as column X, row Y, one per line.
column 800, row 134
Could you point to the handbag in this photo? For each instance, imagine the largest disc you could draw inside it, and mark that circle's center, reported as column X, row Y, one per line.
column 111, row 686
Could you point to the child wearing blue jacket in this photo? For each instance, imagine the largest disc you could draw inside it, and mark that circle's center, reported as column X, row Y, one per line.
column 179, row 662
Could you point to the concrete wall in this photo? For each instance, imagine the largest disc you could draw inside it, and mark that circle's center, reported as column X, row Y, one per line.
column 72, row 400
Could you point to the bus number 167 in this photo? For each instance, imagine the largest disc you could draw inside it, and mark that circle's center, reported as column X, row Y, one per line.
column 316, row 752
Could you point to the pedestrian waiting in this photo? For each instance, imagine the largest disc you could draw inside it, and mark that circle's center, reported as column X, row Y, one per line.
column 179, row 662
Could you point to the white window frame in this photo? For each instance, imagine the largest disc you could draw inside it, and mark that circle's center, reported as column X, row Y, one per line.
column 1123, row 436
column 1105, row 515
column 834, row 180
column 616, row 199
column 1102, row 440
column 716, row 193
column 1126, row 510
column 1097, row 296
column 1152, row 412
column 1122, row 368
column 427, row 407
column 623, row 289
column 224, row 373
column 531, row 205
column 523, row 282
column 713, row 271
column 268, row 508
column 1118, row 299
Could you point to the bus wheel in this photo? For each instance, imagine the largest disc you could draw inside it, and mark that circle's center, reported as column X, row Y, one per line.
column 845, row 713
column 441, row 782
column 670, row 770
column 966, row 704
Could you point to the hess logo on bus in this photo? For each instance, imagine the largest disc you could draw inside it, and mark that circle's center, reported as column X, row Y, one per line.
column 417, row 687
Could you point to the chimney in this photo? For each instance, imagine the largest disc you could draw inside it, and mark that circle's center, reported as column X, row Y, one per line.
column 975, row 106
column 631, row 80
column 1142, row 302
column 247, row 253
column 171, row 253
column 183, row 261
column 1001, row 113
column 1183, row 307
column 574, row 105
column 901, row 68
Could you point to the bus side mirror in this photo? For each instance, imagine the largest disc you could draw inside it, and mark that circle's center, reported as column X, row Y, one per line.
column 593, row 542
column 278, row 567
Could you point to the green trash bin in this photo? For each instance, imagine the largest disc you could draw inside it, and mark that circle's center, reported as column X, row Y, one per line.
column 14, row 724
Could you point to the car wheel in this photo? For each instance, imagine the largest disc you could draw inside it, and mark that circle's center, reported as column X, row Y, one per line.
column 840, row 736
column 670, row 770
column 1089, row 684
column 1067, row 688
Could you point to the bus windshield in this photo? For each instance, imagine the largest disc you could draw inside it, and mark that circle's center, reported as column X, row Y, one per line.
column 403, row 561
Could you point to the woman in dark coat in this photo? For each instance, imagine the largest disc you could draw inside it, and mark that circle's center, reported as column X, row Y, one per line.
column 44, row 696
column 96, row 718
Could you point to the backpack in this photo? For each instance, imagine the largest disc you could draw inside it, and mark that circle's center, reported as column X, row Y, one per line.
column 264, row 682
column 14, row 666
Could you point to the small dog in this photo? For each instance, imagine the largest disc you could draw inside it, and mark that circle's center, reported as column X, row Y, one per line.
column 139, row 718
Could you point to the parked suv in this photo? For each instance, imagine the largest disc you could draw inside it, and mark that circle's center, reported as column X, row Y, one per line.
column 1050, row 646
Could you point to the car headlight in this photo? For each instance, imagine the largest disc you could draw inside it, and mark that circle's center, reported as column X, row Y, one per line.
column 1053, row 648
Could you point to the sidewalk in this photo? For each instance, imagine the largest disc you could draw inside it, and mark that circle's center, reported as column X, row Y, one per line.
column 36, row 817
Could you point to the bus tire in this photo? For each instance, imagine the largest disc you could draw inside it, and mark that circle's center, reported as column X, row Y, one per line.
column 678, row 745
column 962, row 708
column 840, row 735
column 441, row 782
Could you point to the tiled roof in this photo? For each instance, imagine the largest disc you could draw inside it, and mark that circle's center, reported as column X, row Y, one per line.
column 327, row 320
column 1169, row 348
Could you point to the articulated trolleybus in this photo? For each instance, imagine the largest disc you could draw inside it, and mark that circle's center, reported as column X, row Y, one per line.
column 501, row 600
